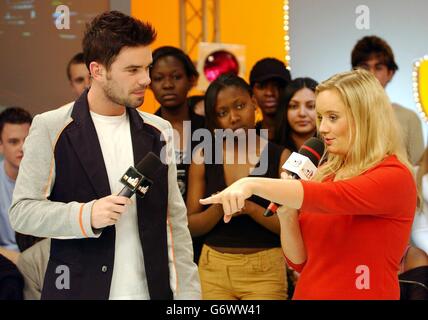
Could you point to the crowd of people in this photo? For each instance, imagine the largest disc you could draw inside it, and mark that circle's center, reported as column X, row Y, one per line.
column 359, row 230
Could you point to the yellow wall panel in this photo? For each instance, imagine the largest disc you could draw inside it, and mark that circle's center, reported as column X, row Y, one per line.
column 256, row 24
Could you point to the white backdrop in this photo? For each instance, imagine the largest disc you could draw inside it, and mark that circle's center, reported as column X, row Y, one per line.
column 323, row 33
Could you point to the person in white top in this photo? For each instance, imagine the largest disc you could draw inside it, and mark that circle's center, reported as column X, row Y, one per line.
column 420, row 223
column 106, row 246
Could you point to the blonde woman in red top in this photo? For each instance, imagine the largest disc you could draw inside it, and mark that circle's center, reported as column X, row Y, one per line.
column 353, row 222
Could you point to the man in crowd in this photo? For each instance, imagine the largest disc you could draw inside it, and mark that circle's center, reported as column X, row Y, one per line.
column 268, row 78
column 14, row 127
column 375, row 55
column 78, row 74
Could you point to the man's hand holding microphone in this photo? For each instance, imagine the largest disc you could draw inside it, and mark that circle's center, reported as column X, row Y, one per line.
column 108, row 210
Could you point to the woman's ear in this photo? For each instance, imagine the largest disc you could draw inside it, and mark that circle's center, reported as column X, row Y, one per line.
column 193, row 80
column 254, row 102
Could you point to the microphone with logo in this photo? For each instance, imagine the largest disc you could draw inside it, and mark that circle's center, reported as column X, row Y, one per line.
column 302, row 165
column 139, row 180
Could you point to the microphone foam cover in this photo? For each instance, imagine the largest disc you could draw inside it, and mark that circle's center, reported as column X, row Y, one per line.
column 149, row 165
column 313, row 148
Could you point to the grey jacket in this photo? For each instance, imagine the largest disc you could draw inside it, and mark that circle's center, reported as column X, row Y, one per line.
column 63, row 173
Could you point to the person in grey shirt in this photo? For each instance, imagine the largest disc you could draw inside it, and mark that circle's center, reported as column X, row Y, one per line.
column 375, row 55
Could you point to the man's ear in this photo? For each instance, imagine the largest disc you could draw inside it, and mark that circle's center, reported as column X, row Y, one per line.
column 96, row 70
column 390, row 75
column 1, row 147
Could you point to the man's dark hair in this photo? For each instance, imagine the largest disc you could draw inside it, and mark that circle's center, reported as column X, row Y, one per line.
column 14, row 115
column 370, row 46
column 166, row 51
column 77, row 59
column 109, row 32
column 269, row 69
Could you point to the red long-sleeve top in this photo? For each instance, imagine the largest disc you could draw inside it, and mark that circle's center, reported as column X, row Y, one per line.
column 355, row 232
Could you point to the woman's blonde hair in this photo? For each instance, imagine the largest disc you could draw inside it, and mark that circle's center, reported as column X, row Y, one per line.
column 375, row 131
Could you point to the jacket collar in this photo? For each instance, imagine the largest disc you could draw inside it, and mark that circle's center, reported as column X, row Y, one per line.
column 84, row 140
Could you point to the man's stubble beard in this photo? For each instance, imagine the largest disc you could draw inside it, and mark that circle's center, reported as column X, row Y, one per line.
column 110, row 93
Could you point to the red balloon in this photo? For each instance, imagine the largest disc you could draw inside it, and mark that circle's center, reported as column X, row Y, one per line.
column 220, row 62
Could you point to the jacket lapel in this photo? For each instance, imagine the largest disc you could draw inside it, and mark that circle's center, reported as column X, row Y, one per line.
column 142, row 141
column 84, row 139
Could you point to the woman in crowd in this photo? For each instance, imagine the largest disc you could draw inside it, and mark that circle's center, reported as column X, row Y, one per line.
column 173, row 74
column 296, row 120
column 243, row 259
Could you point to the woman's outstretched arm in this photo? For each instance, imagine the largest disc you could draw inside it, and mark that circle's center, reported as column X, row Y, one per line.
column 283, row 192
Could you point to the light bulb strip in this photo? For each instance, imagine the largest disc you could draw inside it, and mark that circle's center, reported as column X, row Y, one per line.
column 286, row 10
column 415, row 79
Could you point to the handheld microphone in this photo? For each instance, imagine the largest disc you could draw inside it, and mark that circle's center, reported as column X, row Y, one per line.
column 301, row 165
column 138, row 180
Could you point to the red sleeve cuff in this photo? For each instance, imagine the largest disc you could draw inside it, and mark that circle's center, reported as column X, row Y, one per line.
column 296, row 267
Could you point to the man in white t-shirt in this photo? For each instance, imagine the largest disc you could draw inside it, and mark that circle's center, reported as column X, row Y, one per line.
column 106, row 246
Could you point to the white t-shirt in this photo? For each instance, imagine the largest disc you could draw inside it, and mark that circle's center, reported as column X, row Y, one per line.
column 129, row 275
column 420, row 223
